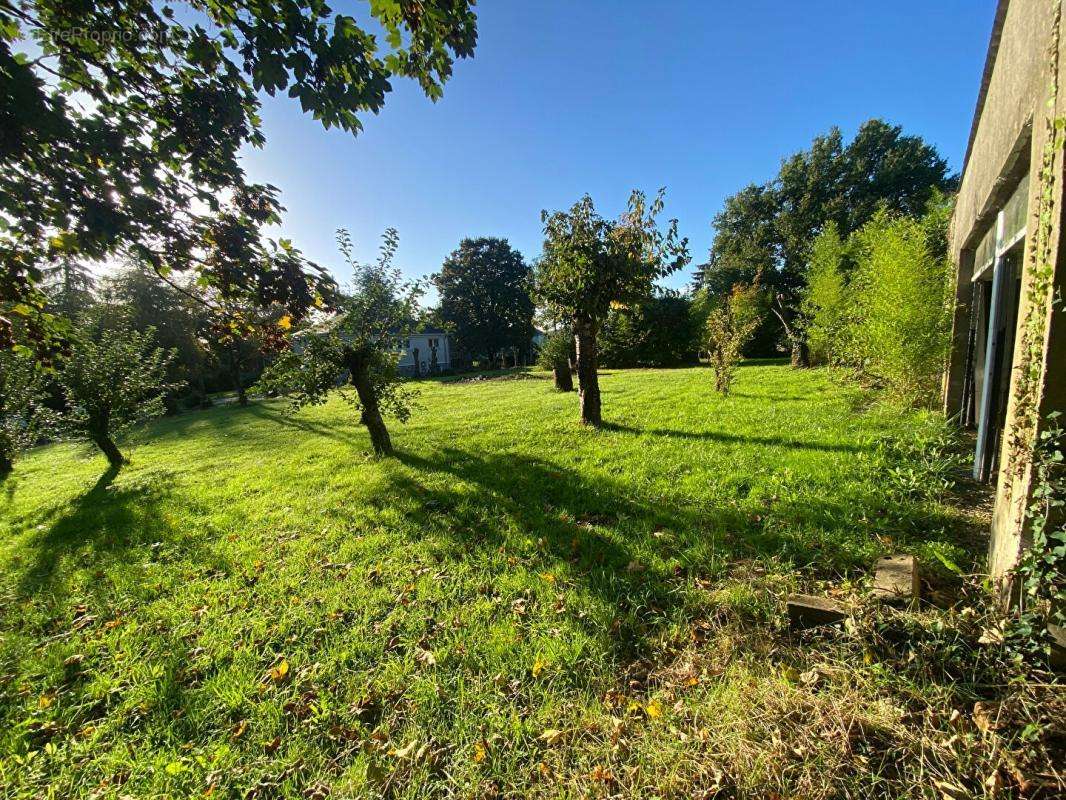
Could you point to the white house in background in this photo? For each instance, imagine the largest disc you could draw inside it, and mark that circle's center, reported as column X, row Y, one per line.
column 417, row 350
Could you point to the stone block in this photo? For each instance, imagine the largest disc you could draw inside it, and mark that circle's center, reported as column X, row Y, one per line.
column 809, row 611
column 896, row 580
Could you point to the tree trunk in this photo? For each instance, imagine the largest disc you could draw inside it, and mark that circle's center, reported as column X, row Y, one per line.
column 235, row 376
column 371, row 416
column 801, row 356
column 564, row 381
column 109, row 449
column 588, row 380
column 6, row 464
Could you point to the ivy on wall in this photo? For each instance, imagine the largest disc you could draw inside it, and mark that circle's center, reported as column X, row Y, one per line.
column 1041, row 273
column 1042, row 569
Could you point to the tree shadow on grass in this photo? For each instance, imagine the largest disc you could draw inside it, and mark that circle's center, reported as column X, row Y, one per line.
column 774, row 398
column 730, row 438
column 605, row 532
column 110, row 529
column 347, row 432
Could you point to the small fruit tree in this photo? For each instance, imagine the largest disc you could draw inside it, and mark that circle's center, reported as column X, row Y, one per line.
column 358, row 344
column 590, row 263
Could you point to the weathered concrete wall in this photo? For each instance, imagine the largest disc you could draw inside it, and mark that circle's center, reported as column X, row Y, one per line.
column 1010, row 137
column 1014, row 87
column 1017, row 89
column 1045, row 253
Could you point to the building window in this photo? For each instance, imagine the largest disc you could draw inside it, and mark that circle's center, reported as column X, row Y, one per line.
column 993, row 321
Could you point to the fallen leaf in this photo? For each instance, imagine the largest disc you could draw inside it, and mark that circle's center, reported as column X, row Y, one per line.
column 407, row 751
column 426, row 657
column 279, row 672
column 951, row 791
column 539, row 665
column 986, row 716
column 240, row 728
column 480, row 752
column 995, row 783
column 810, row 677
column 654, row 709
column 552, row 736
column 601, row 774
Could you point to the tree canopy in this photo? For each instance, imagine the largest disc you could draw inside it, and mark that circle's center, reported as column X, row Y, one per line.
column 765, row 231
column 485, row 299
column 589, row 262
column 121, row 123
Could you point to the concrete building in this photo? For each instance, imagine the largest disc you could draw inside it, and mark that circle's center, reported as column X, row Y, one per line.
column 1007, row 368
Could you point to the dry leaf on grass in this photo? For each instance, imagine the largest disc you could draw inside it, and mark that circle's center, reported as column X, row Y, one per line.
column 552, row 736
column 279, row 671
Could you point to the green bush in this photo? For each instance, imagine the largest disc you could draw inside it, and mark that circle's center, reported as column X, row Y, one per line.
column 558, row 347
column 657, row 332
column 901, row 323
column 879, row 303
column 826, row 302
column 729, row 327
column 23, row 416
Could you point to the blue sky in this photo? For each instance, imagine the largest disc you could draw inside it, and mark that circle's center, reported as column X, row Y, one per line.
column 564, row 97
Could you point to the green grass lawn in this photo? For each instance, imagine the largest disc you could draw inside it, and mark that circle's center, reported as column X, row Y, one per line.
column 513, row 606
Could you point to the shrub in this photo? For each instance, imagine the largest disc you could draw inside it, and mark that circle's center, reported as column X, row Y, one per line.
column 23, row 416
column 656, row 332
column 729, row 326
column 901, row 321
column 826, row 302
column 556, row 355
